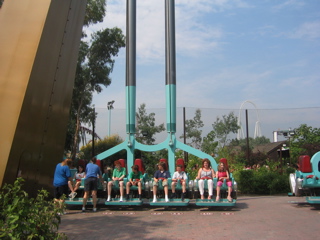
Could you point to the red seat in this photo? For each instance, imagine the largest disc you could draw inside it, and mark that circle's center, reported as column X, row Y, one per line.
column 123, row 164
column 304, row 164
column 140, row 164
column 180, row 161
column 100, row 164
column 165, row 161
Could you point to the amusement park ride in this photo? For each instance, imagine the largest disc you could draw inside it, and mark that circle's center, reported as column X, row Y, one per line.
column 171, row 143
column 306, row 180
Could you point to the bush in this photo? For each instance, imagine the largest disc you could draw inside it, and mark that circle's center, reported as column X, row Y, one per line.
column 262, row 181
column 22, row 217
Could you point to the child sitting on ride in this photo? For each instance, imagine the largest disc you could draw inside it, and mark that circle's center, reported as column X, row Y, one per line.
column 105, row 177
column 222, row 174
column 161, row 174
column 135, row 179
column 181, row 176
column 117, row 178
column 205, row 173
column 78, row 176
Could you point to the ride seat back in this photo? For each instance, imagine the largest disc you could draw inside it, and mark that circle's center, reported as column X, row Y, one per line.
column 124, row 164
column 304, row 164
column 180, row 161
column 166, row 162
column 140, row 164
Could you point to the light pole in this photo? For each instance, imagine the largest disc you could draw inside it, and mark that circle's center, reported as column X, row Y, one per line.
column 110, row 106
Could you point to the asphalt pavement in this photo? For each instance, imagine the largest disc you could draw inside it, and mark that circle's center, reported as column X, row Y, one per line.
column 253, row 217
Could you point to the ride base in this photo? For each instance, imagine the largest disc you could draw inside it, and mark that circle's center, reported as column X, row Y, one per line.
column 171, row 203
column 213, row 203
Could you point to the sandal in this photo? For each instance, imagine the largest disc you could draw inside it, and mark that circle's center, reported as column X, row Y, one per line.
column 230, row 199
column 217, row 199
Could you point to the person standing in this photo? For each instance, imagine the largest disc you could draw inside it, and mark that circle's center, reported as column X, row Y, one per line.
column 91, row 183
column 62, row 176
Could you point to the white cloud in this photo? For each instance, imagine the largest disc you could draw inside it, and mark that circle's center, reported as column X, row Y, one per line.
column 309, row 30
column 288, row 4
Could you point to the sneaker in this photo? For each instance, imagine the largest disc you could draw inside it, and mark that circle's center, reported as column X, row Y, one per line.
column 127, row 197
column 154, row 199
column 70, row 195
column 108, row 199
column 167, row 199
column 139, row 197
column 73, row 195
column 173, row 195
column 94, row 209
column 121, row 199
column 83, row 209
column 182, row 197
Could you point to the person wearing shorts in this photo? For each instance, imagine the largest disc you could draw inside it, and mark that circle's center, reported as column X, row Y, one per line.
column 91, row 183
column 135, row 179
column 222, row 174
column 118, row 175
column 180, row 176
column 62, row 176
column 161, row 174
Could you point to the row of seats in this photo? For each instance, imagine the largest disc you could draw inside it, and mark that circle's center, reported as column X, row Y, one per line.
column 147, row 182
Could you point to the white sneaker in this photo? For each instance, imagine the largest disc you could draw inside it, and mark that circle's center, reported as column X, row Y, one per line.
column 70, row 195
column 73, row 195
column 167, row 199
column 121, row 199
column 94, row 209
column 83, row 209
column 154, row 199
column 108, row 199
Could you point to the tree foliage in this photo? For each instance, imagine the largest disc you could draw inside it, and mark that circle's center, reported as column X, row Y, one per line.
column 306, row 141
column 193, row 131
column 95, row 63
column 22, row 217
column 146, row 127
column 103, row 145
column 222, row 127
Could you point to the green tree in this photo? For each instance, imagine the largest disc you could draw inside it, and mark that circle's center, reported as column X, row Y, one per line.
column 193, row 131
column 208, row 144
column 146, row 127
column 305, row 141
column 95, row 63
column 103, row 145
column 222, row 127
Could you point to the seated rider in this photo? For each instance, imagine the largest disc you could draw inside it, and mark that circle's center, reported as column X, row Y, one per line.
column 161, row 174
column 135, row 179
column 222, row 174
column 205, row 173
column 181, row 176
column 118, row 175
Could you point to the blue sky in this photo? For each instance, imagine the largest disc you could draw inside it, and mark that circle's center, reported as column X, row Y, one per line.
column 228, row 51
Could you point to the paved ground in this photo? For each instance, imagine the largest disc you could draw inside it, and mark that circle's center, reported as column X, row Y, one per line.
column 254, row 217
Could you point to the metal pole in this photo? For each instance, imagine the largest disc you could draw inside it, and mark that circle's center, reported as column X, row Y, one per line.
column 247, row 130
column 93, row 130
column 109, row 125
column 184, row 134
column 170, row 44
column 131, row 67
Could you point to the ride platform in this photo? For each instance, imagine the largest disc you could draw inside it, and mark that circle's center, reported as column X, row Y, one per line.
column 171, row 203
column 79, row 201
column 131, row 202
column 213, row 203
column 313, row 200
